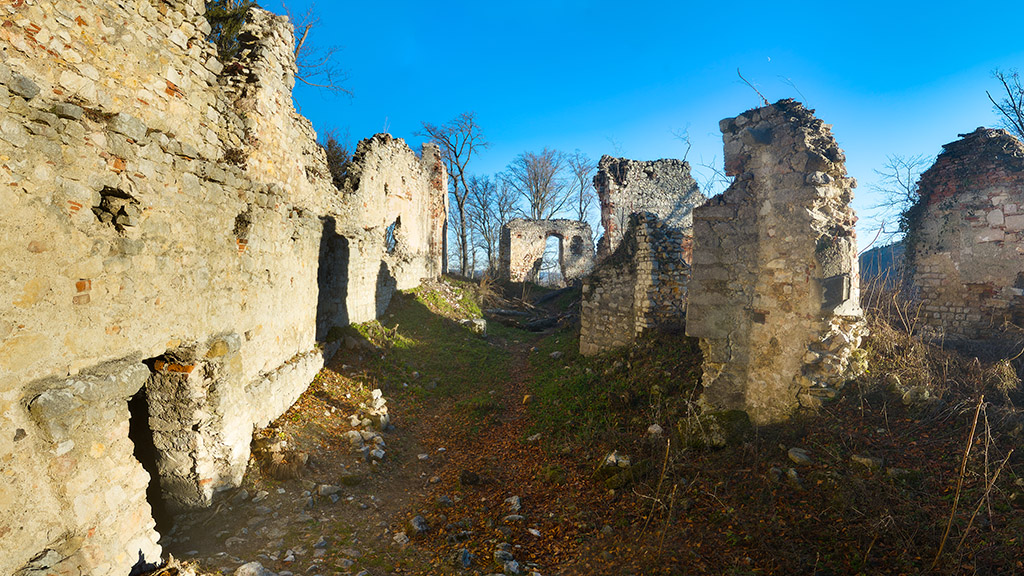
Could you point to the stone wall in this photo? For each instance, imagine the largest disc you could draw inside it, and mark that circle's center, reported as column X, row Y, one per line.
column 774, row 291
column 965, row 237
column 522, row 242
column 664, row 188
column 170, row 230
column 387, row 185
column 641, row 286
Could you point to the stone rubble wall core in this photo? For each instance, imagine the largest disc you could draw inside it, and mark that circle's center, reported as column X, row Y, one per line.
column 774, row 288
column 640, row 287
column 522, row 242
column 963, row 242
column 624, row 187
column 170, row 229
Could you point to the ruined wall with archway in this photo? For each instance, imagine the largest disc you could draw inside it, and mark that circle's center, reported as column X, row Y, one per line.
column 522, row 243
column 963, row 242
column 171, row 227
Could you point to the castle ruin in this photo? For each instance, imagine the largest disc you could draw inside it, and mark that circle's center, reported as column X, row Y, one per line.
column 963, row 242
column 774, row 288
column 174, row 250
column 522, row 242
column 644, row 256
column 664, row 188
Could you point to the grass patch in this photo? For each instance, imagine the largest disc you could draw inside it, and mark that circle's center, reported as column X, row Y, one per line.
column 588, row 399
column 423, row 351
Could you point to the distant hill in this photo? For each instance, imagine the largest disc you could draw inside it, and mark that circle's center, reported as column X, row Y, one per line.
column 884, row 263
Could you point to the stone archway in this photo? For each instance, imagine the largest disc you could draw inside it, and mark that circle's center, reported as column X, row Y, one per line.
column 523, row 242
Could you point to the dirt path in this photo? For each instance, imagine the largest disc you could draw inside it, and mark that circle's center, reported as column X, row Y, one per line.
column 345, row 515
column 493, row 498
column 340, row 516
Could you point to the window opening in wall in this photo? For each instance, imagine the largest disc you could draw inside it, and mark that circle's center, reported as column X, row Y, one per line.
column 141, row 435
column 576, row 246
column 551, row 263
column 391, row 235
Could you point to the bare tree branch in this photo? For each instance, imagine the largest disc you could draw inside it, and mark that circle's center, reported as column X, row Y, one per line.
column 747, row 82
column 1010, row 108
column 458, row 139
column 317, row 66
column 684, row 137
column 898, row 187
column 537, row 178
column 581, row 186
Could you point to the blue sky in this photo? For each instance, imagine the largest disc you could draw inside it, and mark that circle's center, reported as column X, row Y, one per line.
column 621, row 77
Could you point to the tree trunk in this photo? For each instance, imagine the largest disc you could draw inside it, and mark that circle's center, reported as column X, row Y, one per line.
column 465, row 239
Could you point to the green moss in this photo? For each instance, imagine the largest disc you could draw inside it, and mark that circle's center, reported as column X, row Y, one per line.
column 552, row 474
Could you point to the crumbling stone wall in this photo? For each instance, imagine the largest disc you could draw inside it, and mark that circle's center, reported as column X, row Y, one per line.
column 391, row 195
column 641, row 286
column 169, row 224
column 664, row 188
column 522, row 242
column 773, row 293
column 964, row 239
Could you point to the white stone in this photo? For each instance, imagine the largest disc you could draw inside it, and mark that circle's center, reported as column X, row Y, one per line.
column 995, row 217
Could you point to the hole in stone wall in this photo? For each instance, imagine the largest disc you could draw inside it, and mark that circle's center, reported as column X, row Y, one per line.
column 576, row 246
column 146, row 453
column 243, row 224
column 391, row 235
column 551, row 263
column 117, row 208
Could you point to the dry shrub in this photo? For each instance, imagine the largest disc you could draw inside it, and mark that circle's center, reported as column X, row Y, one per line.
column 277, row 461
column 917, row 367
column 487, row 291
column 1002, row 377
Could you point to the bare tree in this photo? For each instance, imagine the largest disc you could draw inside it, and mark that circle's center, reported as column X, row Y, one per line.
column 581, row 187
column 317, row 65
column 897, row 184
column 339, row 151
column 459, row 248
column 482, row 214
column 1010, row 108
column 458, row 139
column 537, row 178
column 506, row 199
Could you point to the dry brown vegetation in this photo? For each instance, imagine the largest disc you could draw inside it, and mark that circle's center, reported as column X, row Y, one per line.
column 914, row 457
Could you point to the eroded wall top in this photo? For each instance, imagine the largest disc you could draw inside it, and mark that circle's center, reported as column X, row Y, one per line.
column 965, row 234
column 774, row 293
column 663, row 188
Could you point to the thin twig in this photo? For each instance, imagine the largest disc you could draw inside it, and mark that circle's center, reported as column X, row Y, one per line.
column 657, row 491
column 747, row 82
column 988, row 442
column 873, row 240
column 959, row 482
column 984, row 498
column 668, row 518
